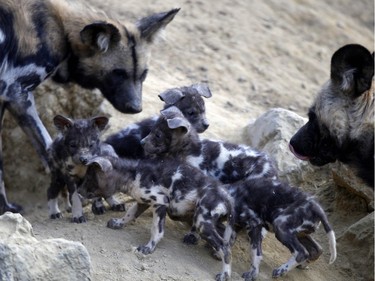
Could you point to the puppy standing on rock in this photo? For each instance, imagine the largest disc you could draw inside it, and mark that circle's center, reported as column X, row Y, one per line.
column 78, row 141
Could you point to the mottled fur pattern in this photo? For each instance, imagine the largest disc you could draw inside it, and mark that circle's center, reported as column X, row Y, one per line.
column 188, row 99
column 286, row 211
column 260, row 199
column 341, row 120
column 168, row 187
column 71, row 43
column 77, row 142
column 173, row 136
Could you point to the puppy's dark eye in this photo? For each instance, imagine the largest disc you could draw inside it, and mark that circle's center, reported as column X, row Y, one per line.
column 72, row 145
column 191, row 113
column 120, row 73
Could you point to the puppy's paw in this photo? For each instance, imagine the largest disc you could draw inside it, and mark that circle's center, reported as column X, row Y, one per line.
column 80, row 219
column 191, row 239
column 118, row 208
column 115, row 224
column 251, row 274
column 56, row 216
column 144, row 249
column 222, row 276
column 97, row 209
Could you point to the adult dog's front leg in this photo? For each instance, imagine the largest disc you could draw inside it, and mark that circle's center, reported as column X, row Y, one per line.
column 5, row 206
column 157, row 229
column 21, row 105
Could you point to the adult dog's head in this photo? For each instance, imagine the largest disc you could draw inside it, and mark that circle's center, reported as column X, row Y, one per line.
column 341, row 120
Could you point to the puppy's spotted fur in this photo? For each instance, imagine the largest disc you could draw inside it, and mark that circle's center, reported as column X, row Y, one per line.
column 188, row 99
column 261, row 200
column 167, row 186
column 77, row 142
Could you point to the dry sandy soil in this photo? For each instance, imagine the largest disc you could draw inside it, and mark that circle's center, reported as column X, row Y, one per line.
column 255, row 55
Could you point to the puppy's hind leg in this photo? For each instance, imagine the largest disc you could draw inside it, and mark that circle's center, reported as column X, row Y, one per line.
column 300, row 254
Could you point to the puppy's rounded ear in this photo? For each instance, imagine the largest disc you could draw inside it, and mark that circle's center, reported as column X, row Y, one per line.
column 171, row 112
column 62, row 123
column 103, row 163
column 101, row 122
column 352, row 69
column 202, row 89
column 171, row 96
column 179, row 123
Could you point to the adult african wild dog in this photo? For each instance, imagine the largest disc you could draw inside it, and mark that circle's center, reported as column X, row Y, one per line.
column 261, row 200
column 188, row 99
column 71, row 43
column 341, row 120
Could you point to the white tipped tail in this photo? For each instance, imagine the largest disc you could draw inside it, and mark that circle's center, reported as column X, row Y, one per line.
column 332, row 246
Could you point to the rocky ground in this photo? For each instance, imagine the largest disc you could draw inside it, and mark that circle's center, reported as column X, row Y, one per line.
column 255, row 55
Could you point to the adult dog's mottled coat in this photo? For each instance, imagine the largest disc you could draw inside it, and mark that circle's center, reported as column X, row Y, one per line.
column 341, row 120
column 72, row 43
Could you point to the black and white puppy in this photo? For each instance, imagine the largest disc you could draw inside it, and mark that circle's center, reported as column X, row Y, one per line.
column 341, row 120
column 167, row 186
column 188, row 99
column 261, row 200
column 77, row 142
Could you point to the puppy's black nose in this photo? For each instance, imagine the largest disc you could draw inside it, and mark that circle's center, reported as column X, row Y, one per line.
column 83, row 160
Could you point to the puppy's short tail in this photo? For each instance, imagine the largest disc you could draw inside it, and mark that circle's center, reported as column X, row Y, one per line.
column 330, row 233
column 332, row 246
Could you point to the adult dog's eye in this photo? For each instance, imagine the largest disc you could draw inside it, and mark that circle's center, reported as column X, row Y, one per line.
column 120, row 73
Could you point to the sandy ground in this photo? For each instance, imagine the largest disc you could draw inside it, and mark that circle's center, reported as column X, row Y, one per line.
column 255, row 55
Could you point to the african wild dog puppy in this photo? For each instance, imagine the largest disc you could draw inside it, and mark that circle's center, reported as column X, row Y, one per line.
column 167, row 186
column 341, row 120
column 261, row 200
column 77, row 142
column 288, row 212
column 71, row 43
column 188, row 99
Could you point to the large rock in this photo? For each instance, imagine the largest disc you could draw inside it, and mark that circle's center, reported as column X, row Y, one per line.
column 271, row 132
column 23, row 257
column 357, row 242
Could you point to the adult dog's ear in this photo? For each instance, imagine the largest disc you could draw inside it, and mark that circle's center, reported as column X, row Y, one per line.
column 100, row 35
column 150, row 26
column 352, row 69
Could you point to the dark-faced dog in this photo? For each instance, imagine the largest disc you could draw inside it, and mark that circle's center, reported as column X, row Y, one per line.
column 167, row 186
column 71, row 43
column 77, row 142
column 341, row 120
column 188, row 99
column 261, row 200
